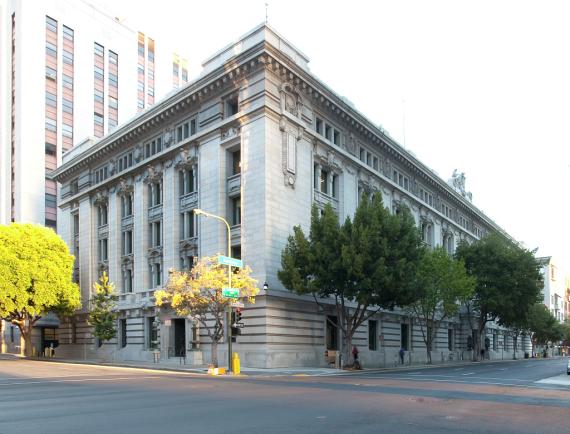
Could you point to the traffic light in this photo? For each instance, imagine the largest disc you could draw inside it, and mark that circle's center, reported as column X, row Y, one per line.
column 238, row 315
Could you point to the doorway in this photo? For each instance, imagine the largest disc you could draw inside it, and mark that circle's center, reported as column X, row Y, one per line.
column 179, row 337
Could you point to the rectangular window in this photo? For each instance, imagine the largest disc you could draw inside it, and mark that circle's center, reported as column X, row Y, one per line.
column 236, row 162
column 405, row 337
column 51, row 24
column 103, row 249
column 50, row 99
column 67, row 57
column 67, row 105
column 67, row 33
column 123, row 332
column 450, row 340
column 319, row 125
column 128, row 281
column 67, row 81
column 51, row 49
column 98, row 119
column 236, row 211
column 127, row 242
column 51, row 125
column 99, row 50
column 372, row 335
column 152, row 333
column 232, row 106
column 324, row 182
column 51, row 200
column 51, row 73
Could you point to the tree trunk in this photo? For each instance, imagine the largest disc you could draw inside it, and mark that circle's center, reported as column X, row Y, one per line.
column 27, row 348
column 428, row 348
column 214, row 355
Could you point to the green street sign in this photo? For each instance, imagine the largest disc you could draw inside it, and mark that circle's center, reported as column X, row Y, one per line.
column 230, row 292
column 225, row 260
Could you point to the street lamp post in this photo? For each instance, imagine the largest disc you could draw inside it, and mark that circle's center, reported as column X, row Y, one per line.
column 198, row 211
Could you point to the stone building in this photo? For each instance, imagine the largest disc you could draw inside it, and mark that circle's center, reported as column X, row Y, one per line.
column 257, row 138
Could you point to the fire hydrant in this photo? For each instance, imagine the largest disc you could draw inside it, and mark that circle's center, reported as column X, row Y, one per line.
column 235, row 364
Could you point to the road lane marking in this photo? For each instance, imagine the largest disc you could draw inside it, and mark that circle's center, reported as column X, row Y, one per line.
column 469, row 373
column 477, row 381
column 77, row 380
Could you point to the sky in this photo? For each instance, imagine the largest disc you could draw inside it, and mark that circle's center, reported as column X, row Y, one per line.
column 482, row 87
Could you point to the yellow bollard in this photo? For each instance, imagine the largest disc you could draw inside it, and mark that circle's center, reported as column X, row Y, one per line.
column 235, row 364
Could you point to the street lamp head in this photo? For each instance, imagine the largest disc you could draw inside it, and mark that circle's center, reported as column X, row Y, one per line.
column 265, row 286
column 198, row 211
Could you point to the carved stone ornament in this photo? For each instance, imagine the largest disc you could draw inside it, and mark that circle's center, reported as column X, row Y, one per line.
column 457, row 181
column 351, row 144
column 103, row 267
column 290, row 137
column 168, row 138
column 100, row 197
column 328, row 162
column 111, row 167
column 387, row 168
column 154, row 255
column 366, row 186
column 230, row 133
column 138, row 153
column 291, row 100
column 186, row 158
column 124, row 187
column 153, row 174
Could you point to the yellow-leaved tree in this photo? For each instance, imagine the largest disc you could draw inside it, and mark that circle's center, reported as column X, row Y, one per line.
column 35, row 277
column 198, row 293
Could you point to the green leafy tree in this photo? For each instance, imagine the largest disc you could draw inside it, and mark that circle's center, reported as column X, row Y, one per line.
column 364, row 265
column 508, row 283
column 442, row 286
column 103, row 314
column 544, row 327
column 35, row 277
column 199, row 293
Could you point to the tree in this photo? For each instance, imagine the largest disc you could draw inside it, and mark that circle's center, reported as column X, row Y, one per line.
column 443, row 285
column 103, row 314
column 364, row 265
column 199, row 293
column 508, row 282
column 35, row 277
column 543, row 325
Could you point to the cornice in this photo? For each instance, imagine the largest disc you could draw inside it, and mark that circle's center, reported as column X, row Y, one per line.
column 318, row 92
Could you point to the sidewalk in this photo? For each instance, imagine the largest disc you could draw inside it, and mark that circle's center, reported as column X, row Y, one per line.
column 175, row 366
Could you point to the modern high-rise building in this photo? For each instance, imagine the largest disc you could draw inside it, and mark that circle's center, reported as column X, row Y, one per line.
column 68, row 72
column 257, row 139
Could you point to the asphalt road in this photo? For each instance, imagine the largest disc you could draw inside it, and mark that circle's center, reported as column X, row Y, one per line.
column 46, row 397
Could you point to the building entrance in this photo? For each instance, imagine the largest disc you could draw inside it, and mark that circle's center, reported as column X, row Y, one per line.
column 179, row 337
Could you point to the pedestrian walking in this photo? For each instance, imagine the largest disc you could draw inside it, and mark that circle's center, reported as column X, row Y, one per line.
column 355, row 356
column 402, row 352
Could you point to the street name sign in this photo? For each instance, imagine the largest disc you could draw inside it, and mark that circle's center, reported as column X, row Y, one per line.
column 230, row 292
column 225, row 260
column 237, row 304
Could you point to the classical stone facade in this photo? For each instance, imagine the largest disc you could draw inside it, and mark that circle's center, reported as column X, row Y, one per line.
column 256, row 138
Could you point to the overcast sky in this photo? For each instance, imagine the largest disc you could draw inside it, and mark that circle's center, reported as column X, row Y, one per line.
column 483, row 86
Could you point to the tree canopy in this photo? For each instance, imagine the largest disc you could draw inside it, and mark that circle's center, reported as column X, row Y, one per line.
column 198, row 293
column 103, row 314
column 35, row 276
column 544, row 327
column 442, row 285
column 509, row 281
column 363, row 265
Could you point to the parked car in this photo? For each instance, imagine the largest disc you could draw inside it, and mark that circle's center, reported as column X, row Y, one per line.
column 568, row 368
